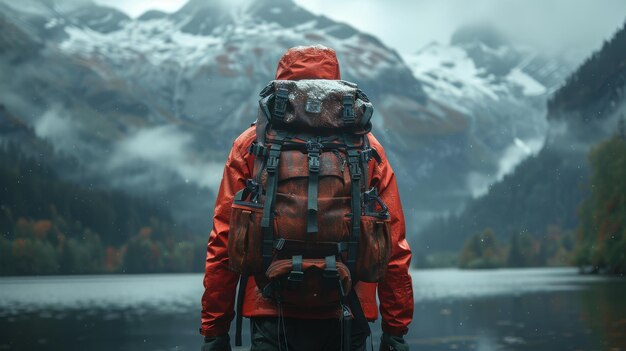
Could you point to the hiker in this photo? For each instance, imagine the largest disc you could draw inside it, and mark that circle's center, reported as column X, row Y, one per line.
column 308, row 220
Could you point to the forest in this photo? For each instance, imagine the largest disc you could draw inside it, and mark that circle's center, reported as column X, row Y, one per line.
column 597, row 84
column 50, row 226
column 597, row 245
column 541, row 194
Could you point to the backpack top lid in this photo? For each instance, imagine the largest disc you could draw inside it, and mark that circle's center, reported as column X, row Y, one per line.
column 316, row 105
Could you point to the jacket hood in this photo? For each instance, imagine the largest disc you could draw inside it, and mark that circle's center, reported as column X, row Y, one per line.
column 308, row 62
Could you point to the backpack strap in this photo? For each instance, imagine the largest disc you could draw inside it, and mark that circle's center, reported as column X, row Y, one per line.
column 243, row 282
column 348, row 110
column 280, row 104
column 366, row 155
column 314, row 147
column 354, row 167
column 296, row 275
column 357, row 311
column 267, row 221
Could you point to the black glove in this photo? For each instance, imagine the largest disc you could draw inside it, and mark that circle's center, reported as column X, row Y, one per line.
column 393, row 343
column 217, row 343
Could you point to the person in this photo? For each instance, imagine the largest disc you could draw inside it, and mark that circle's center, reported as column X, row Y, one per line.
column 306, row 331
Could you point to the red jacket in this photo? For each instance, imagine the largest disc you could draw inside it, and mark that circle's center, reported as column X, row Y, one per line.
column 395, row 293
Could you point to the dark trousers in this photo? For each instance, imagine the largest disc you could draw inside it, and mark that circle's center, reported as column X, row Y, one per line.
column 302, row 335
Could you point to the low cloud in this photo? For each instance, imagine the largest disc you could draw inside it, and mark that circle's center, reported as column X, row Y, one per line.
column 56, row 127
column 512, row 156
column 166, row 149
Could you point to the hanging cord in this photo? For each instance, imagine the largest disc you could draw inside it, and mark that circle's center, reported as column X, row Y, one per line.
column 341, row 330
column 281, row 322
column 278, row 328
column 284, row 329
column 278, row 324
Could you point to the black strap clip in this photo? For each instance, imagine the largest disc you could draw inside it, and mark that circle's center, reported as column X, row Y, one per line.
column 366, row 155
column 348, row 110
column 257, row 150
column 313, row 148
column 280, row 103
column 272, row 160
column 355, row 168
column 296, row 275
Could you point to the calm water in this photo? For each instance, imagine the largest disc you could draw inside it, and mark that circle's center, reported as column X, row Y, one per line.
column 533, row 309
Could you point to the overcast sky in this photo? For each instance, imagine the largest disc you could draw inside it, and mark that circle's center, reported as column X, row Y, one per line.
column 578, row 26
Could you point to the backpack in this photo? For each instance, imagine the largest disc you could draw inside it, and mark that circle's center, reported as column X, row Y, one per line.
column 306, row 226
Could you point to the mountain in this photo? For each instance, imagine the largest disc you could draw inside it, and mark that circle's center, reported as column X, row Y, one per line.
column 546, row 189
column 501, row 88
column 151, row 105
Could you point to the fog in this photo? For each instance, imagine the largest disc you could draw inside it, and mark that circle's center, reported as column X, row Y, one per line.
column 575, row 27
column 572, row 27
column 168, row 149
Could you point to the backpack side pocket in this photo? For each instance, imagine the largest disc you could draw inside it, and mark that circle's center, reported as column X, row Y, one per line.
column 374, row 249
column 245, row 238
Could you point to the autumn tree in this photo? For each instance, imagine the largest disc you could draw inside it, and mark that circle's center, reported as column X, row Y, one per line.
column 481, row 250
column 601, row 236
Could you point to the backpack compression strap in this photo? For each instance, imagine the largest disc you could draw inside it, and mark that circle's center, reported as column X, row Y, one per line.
column 267, row 221
column 354, row 167
column 314, row 147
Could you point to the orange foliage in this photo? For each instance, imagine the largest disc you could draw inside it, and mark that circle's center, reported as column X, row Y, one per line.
column 155, row 252
column 112, row 259
column 24, row 228
column 42, row 228
column 145, row 232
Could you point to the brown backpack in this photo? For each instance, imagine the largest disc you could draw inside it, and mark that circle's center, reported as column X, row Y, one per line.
column 305, row 225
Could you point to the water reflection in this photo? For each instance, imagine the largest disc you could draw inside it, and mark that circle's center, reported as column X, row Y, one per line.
column 535, row 309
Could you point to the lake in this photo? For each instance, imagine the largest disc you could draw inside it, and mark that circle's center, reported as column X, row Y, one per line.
column 509, row 309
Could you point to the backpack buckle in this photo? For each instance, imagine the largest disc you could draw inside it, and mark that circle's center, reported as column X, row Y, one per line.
column 296, row 276
column 348, row 110
column 272, row 161
column 280, row 103
column 314, row 163
column 257, row 150
column 355, row 170
column 313, row 147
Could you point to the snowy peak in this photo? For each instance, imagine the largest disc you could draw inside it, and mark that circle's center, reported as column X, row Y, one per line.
column 476, row 70
column 451, row 72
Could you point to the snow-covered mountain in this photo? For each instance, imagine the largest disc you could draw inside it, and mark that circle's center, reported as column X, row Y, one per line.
column 500, row 87
column 152, row 104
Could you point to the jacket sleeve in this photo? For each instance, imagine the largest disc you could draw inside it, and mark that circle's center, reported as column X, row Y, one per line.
column 220, row 283
column 395, row 293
